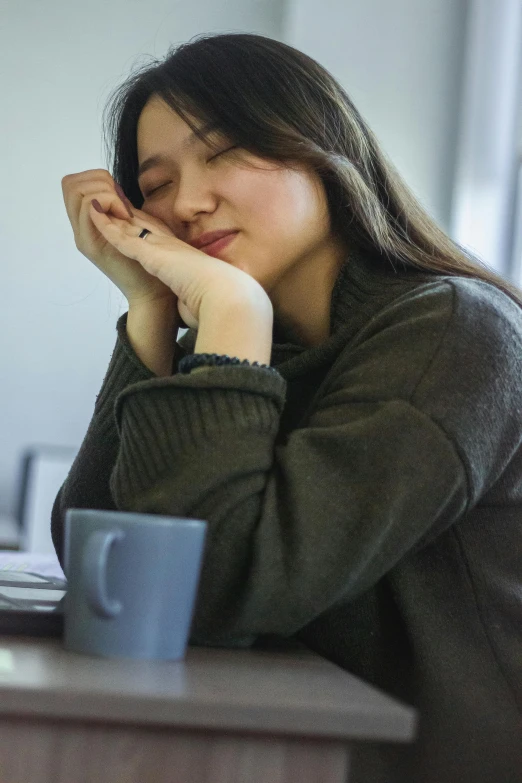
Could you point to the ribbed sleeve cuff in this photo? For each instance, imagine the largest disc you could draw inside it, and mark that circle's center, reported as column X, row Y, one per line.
column 163, row 419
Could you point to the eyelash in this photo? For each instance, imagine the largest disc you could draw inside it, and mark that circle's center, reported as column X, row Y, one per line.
column 150, row 192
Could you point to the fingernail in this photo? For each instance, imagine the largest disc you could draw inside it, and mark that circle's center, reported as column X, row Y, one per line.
column 97, row 206
column 121, row 194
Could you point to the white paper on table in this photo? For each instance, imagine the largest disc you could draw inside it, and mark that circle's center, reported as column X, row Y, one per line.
column 44, row 564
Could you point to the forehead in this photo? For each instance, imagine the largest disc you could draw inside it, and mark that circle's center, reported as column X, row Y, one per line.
column 159, row 124
column 160, row 128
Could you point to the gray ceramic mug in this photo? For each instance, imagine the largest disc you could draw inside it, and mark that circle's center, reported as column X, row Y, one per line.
column 132, row 582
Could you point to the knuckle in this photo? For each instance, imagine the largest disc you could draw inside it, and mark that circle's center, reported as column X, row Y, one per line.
column 102, row 173
column 83, row 177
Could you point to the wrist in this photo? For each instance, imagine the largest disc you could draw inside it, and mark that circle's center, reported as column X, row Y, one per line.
column 159, row 304
column 238, row 326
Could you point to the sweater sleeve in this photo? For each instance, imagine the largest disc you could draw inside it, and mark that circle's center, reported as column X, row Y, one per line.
column 87, row 484
column 378, row 467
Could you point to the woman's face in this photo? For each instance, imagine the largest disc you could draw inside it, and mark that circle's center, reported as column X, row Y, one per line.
column 281, row 215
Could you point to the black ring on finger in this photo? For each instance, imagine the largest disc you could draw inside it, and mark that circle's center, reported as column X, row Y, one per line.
column 144, row 233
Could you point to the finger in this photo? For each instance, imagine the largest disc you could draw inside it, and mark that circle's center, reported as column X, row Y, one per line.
column 86, row 185
column 154, row 224
column 124, row 235
column 124, row 199
column 69, row 180
column 110, row 203
column 120, row 232
column 84, row 179
column 129, row 230
column 75, row 186
column 79, row 212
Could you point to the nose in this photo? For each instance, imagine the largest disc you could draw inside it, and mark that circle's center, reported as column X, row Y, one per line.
column 192, row 197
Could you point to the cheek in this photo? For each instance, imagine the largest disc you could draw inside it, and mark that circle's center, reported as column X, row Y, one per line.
column 278, row 205
column 156, row 209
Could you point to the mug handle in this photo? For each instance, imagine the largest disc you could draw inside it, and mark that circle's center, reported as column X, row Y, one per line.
column 94, row 566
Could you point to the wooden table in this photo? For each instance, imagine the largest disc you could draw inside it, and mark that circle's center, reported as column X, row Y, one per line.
column 220, row 716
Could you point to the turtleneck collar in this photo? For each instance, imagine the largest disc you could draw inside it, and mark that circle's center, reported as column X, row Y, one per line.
column 364, row 285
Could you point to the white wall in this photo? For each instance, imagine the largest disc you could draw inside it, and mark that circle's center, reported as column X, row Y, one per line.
column 400, row 62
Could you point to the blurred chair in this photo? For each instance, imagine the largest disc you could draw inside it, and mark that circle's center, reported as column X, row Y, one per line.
column 9, row 532
column 43, row 469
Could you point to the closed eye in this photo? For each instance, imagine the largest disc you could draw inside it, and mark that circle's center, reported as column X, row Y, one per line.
column 150, row 192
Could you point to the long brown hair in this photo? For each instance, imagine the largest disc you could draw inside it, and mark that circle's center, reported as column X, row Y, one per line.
column 280, row 104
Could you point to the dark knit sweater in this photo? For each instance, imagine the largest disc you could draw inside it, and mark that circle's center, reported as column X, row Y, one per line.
column 366, row 500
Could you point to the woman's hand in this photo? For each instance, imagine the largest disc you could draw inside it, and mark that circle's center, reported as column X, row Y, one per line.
column 135, row 283
column 199, row 281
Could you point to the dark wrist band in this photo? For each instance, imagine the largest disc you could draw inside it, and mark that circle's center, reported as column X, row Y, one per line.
column 194, row 360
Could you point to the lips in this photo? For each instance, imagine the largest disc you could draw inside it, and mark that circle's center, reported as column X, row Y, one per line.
column 211, row 236
column 216, row 248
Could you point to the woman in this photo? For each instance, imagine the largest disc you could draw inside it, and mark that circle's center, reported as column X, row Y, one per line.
column 360, row 463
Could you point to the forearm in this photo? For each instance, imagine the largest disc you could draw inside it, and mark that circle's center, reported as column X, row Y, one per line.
column 152, row 330
column 87, row 484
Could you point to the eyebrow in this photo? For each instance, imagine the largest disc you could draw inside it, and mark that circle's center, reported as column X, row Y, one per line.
column 193, row 138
